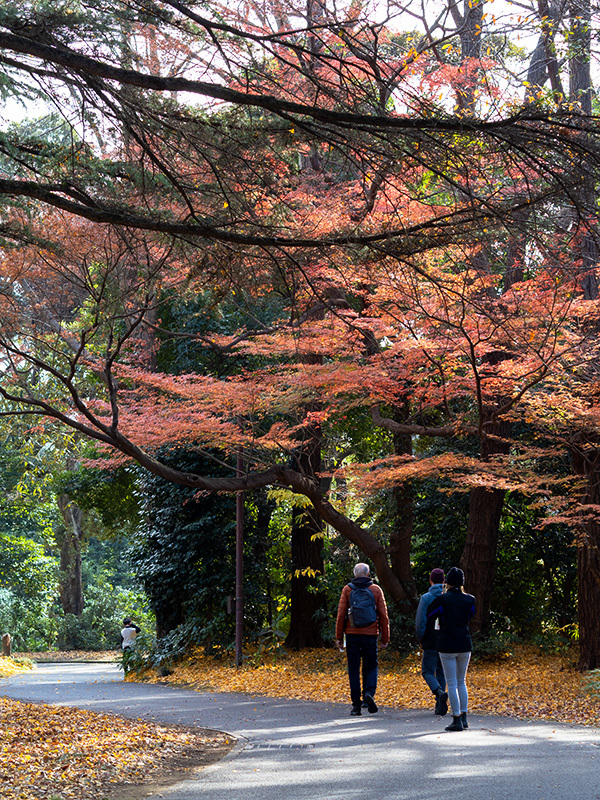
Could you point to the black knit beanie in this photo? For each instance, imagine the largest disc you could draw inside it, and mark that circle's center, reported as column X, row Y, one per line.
column 455, row 577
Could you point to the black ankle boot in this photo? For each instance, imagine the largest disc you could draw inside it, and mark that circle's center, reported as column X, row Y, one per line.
column 456, row 724
column 441, row 703
column 463, row 719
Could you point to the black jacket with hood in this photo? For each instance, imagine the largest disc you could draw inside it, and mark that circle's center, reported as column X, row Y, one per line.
column 453, row 609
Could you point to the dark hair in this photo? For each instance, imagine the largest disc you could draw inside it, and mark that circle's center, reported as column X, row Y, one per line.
column 127, row 621
column 455, row 577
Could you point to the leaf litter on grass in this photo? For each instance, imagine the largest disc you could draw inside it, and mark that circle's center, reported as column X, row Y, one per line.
column 13, row 666
column 526, row 683
column 49, row 752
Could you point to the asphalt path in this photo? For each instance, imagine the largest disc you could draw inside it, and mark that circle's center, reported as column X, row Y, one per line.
column 295, row 750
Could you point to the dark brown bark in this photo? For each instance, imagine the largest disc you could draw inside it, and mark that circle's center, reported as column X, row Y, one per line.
column 401, row 535
column 586, row 456
column 478, row 559
column 307, row 602
column 580, row 95
column 469, row 26
column 6, row 645
column 588, row 591
column 586, row 462
column 71, row 588
column 548, row 31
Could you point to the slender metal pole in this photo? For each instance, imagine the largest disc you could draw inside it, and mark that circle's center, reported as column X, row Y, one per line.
column 239, row 567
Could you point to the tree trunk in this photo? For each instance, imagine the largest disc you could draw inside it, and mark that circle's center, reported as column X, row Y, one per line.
column 586, row 462
column 469, row 26
column 478, row 559
column 580, row 94
column 401, row 535
column 588, row 591
column 586, row 456
column 307, row 602
column 71, row 588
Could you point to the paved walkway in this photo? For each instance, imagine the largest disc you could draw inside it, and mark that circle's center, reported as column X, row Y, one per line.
column 292, row 750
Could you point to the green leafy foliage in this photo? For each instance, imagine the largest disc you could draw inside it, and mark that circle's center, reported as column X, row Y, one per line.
column 28, row 566
column 28, row 620
column 113, row 495
column 439, row 528
column 200, row 316
column 185, row 558
column 99, row 625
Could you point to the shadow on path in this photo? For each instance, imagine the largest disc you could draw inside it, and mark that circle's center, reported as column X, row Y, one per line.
column 294, row 750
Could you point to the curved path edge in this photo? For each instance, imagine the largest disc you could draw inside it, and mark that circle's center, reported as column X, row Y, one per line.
column 297, row 750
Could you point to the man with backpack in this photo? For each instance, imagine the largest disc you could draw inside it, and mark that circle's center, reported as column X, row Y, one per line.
column 362, row 616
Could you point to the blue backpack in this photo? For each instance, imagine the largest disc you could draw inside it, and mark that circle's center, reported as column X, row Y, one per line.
column 362, row 610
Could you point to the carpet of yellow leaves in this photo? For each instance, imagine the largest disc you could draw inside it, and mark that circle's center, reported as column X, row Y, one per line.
column 55, row 753
column 525, row 684
column 12, row 666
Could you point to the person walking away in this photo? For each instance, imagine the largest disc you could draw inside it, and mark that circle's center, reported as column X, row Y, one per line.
column 427, row 633
column 454, row 609
column 128, row 633
column 362, row 616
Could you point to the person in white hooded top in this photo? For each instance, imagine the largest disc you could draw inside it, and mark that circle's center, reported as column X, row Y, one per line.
column 128, row 633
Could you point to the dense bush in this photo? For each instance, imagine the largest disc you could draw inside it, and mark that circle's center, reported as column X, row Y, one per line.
column 185, row 557
column 99, row 626
column 28, row 620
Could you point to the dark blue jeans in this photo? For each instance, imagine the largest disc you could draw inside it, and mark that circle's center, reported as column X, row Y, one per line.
column 432, row 670
column 361, row 648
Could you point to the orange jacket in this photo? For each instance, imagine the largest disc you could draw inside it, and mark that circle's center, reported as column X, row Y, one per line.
column 381, row 626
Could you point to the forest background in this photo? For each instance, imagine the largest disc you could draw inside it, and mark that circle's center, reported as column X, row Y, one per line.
column 340, row 258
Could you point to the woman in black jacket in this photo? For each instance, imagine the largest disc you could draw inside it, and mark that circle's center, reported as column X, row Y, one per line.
column 453, row 610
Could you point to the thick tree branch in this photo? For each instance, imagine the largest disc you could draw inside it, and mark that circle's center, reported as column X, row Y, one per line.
column 408, row 429
column 58, row 196
column 77, row 62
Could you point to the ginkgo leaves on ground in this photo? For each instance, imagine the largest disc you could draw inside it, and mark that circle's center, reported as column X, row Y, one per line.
column 527, row 684
column 12, row 666
column 49, row 752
